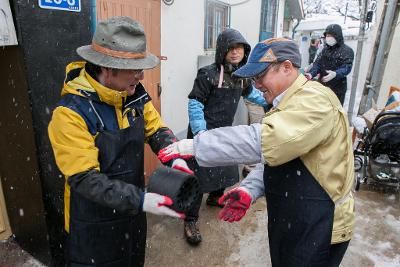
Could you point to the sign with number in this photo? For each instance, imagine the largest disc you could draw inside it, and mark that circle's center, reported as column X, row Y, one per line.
column 67, row 5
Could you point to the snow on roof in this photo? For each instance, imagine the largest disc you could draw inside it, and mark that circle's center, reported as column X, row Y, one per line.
column 319, row 22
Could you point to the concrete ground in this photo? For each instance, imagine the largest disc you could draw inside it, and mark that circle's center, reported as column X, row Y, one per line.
column 376, row 241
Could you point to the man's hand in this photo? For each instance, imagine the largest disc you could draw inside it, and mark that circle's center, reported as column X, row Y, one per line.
column 237, row 202
column 182, row 149
column 331, row 75
column 180, row 164
column 157, row 204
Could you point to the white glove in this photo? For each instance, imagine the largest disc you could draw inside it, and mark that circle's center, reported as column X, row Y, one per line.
column 308, row 76
column 331, row 75
column 156, row 204
column 182, row 149
column 180, row 164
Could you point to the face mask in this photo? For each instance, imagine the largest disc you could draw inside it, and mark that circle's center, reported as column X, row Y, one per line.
column 331, row 41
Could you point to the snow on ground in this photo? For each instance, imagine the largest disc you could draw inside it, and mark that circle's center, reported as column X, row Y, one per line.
column 376, row 241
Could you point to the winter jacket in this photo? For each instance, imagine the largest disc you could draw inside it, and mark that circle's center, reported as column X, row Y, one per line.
column 72, row 134
column 213, row 103
column 309, row 124
column 312, row 51
column 338, row 58
column 210, row 106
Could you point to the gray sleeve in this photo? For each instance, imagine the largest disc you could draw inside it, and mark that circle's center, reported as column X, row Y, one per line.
column 254, row 182
column 227, row 146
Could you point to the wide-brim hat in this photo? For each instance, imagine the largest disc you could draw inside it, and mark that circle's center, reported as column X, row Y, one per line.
column 267, row 52
column 119, row 43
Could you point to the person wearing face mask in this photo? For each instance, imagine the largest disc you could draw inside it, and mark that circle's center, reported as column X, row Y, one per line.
column 334, row 63
column 213, row 102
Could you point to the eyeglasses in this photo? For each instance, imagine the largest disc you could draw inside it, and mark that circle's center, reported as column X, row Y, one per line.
column 261, row 74
column 138, row 72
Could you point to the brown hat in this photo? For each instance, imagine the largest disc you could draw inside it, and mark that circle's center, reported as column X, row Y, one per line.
column 119, row 43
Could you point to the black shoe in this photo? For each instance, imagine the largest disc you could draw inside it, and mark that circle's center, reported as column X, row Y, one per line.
column 192, row 232
column 212, row 200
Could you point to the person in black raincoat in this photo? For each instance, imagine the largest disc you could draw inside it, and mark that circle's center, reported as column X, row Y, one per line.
column 213, row 102
column 97, row 133
column 334, row 63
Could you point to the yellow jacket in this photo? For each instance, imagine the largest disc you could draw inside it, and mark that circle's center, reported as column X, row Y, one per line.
column 72, row 141
column 310, row 123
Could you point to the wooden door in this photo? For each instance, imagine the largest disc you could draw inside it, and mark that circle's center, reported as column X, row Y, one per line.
column 147, row 13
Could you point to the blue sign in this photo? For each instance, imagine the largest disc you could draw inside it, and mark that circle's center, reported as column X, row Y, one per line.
column 67, row 5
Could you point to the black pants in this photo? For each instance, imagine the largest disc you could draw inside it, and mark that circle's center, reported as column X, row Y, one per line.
column 341, row 94
column 193, row 213
column 336, row 253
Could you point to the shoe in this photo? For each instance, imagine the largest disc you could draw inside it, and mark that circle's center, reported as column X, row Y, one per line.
column 212, row 200
column 192, row 232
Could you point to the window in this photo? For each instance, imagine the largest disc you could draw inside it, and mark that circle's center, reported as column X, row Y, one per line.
column 269, row 9
column 216, row 20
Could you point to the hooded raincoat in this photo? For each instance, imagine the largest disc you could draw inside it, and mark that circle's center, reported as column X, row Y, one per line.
column 338, row 58
column 97, row 135
column 213, row 103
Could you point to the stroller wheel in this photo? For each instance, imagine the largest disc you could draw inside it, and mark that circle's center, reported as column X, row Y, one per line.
column 358, row 182
column 358, row 163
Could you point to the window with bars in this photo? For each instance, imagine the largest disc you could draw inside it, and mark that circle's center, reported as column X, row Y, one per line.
column 216, row 20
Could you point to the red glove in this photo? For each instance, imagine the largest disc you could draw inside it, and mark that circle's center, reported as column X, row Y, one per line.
column 181, row 165
column 237, row 202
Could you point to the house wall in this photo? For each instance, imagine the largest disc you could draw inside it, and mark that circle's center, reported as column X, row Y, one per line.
column 280, row 18
column 182, row 41
column 246, row 19
column 391, row 76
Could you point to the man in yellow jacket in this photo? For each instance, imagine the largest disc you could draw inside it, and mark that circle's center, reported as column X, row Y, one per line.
column 97, row 133
column 304, row 151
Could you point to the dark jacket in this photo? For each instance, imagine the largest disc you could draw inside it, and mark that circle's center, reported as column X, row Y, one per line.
column 338, row 58
column 98, row 136
column 219, row 105
column 312, row 51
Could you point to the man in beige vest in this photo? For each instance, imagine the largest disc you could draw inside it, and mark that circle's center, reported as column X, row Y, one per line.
column 304, row 151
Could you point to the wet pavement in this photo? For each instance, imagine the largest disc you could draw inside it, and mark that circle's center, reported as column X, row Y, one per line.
column 11, row 255
column 376, row 241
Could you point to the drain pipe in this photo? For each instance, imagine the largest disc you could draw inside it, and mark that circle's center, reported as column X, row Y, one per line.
column 376, row 79
column 294, row 28
column 93, row 20
column 360, row 44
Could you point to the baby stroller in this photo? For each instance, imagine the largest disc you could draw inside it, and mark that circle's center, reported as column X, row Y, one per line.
column 377, row 155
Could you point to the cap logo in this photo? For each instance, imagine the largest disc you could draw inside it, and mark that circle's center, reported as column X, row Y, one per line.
column 269, row 56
